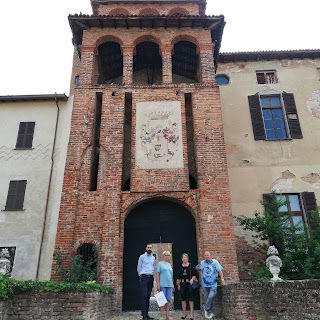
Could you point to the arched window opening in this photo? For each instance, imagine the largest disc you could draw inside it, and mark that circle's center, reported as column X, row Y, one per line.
column 89, row 255
column 119, row 12
column 178, row 12
column 147, row 64
column 111, row 63
column 185, row 62
column 149, row 12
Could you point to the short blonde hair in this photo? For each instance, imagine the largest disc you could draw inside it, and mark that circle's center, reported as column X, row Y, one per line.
column 166, row 253
column 185, row 255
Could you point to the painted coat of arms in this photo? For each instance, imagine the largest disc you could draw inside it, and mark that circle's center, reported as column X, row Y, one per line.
column 159, row 135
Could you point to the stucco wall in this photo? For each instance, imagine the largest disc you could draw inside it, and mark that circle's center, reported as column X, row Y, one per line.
column 23, row 229
column 257, row 167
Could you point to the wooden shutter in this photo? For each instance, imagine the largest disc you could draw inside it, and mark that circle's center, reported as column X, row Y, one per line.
column 309, row 204
column 256, row 117
column 25, row 135
column 292, row 115
column 16, row 194
column 267, row 196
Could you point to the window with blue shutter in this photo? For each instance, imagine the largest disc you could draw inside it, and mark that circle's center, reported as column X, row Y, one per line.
column 274, row 117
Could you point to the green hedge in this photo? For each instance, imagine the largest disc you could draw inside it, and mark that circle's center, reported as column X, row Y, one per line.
column 10, row 287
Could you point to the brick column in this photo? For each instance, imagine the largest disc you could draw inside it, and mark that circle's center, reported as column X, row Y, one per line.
column 206, row 63
column 127, row 54
column 87, row 65
column 216, row 223
column 167, row 64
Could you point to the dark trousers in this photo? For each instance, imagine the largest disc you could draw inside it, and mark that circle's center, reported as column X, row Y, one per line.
column 146, row 285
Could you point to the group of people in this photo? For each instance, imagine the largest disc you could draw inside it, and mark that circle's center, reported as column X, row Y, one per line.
column 206, row 273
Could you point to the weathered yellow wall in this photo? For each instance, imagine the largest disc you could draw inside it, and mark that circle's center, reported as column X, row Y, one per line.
column 257, row 167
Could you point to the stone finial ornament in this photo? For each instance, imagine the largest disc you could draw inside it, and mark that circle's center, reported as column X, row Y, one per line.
column 274, row 263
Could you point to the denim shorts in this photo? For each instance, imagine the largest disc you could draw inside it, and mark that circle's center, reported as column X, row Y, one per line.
column 167, row 292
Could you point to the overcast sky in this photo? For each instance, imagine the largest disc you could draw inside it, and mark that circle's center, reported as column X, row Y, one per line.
column 36, row 49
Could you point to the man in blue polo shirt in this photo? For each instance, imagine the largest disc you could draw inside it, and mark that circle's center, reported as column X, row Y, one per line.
column 210, row 269
column 145, row 270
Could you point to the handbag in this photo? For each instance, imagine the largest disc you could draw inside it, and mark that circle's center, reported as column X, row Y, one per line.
column 195, row 284
column 160, row 298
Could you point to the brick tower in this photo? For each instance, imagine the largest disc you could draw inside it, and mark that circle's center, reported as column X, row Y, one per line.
column 146, row 159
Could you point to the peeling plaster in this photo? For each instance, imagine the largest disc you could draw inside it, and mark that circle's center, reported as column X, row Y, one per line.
column 313, row 104
column 284, row 183
column 313, row 179
column 233, row 68
column 245, row 163
column 287, row 175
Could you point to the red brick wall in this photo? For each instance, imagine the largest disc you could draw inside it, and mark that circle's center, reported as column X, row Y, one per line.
column 59, row 306
column 296, row 300
column 249, row 258
column 135, row 9
column 159, row 7
column 98, row 216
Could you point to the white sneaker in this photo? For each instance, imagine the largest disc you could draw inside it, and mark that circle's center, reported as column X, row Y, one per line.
column 210, row 315
column 206, row 313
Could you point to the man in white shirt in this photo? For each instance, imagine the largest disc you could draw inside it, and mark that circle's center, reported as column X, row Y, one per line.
column 145, row 270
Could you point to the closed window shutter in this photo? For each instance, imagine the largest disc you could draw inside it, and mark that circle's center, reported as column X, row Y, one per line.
column 21, row 134
column 309, row 204
column 292, row 115
column 16, row 194
column 256, row 117
column 11, row 198
column 267, row 196
column 25, row 135
column 29, row 135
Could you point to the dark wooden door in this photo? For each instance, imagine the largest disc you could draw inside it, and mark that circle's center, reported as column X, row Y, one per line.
column 154, row 222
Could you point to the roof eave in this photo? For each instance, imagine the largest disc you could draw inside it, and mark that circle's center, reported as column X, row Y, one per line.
column 79, row 23
column 226, row 57
column 35, row 97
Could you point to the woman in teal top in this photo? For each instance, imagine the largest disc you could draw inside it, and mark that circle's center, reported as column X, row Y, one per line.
column 164, row 278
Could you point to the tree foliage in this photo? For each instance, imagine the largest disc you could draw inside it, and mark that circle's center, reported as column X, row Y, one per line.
column 299, row 247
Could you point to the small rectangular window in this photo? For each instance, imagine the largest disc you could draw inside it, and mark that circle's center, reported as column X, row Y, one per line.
column 266, row 77
column 25, row 135
column 273, row 117
column 7, row 258
column 295, row 208
column 16, row 194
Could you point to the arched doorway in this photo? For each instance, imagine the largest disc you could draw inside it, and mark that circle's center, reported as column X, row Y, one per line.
column 156, row 221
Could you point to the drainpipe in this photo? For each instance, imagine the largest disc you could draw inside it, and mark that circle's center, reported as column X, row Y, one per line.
column 49, row 188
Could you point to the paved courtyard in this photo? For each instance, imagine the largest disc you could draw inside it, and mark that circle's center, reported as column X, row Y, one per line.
column 136, row 316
